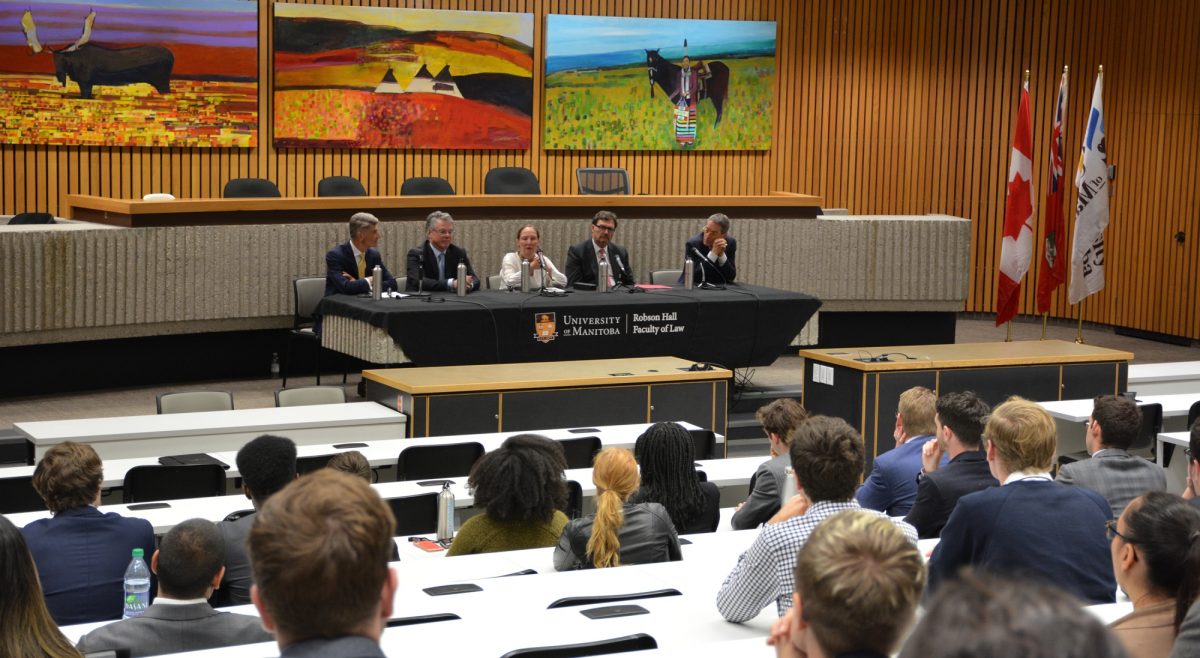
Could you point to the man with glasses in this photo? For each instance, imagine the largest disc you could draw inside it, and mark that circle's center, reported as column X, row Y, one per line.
column 583, row 259
column 434, row 265
column 1029, row 526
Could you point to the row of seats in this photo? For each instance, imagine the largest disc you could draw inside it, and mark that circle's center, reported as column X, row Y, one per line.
column 501, row 180
column 190, row 401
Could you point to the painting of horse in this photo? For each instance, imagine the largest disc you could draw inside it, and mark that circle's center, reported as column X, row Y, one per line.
column 616, row 83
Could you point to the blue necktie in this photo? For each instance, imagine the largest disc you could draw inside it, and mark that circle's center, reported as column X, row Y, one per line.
column 441, row 257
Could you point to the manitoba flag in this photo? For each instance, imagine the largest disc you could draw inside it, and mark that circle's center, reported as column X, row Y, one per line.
column 1054, row 271
column 1091, row 205
column 1016, row 247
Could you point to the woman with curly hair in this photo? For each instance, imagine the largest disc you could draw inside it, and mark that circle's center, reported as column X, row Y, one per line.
column 26, row 627
column 667, row 456
column 522, row 488
column 620, row 532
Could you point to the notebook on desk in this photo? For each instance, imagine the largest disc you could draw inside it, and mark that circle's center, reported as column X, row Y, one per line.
column 191, row 459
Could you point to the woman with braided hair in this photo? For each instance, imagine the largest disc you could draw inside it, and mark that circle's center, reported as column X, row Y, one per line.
column 667, row 457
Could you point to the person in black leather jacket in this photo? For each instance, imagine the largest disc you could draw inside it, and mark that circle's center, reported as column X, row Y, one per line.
column 619, row 532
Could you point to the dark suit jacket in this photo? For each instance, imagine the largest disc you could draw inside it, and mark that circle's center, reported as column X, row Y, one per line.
column 764, row 499
column 454, row 255
column 235, row 588
column 176, row 628
column 341, row 259
column 714, row 273
column 581, row 264
column 1115, row 474
column 938, row 492
column 81, row 555
column 1034, row 528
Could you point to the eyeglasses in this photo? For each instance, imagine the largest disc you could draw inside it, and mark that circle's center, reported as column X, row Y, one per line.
column 1111, row 527
column 606, row 229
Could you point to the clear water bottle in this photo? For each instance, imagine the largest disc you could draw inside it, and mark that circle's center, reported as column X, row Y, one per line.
column 137, row 586
column 789, row 486
column 445, row 524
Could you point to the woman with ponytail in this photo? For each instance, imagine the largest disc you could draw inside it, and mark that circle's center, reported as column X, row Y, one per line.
column 619, row 532
column 1156, row 560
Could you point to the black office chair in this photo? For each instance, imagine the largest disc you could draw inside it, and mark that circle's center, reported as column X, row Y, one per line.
column 415, row 515
column 148, row 483
column 18, row 495
column 29, row 218
column 306, row 295
column 250, row 188
column 602, row 180
column 1193, row 414
column 426, row 186
column 1147, row 436
column 340, row 186
column 437, row 461
column 635, row 642
column 306, row 465
column 511, row 180
column 574, row 508
column 705, row 442
column 15, row 449
column 580, row 451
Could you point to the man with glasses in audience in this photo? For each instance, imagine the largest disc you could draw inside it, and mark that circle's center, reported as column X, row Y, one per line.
column 433, row 266
column 583, row 259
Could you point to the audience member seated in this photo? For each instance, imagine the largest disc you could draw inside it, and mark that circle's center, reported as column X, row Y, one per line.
column 350, row 265
column 1193, row 465
column 959, row 421
column 189, row 568
column 619, row 532
column 1156, row 559
column 1112, row 471
column 667, row 458
column 779, row 419
column 352, row 462
column 522, row 489
column 433, row 266
column 989, row 616
column 1187, row 643
column 267, row 464
column 542, row 273
column 319, row 551
column 26, row 628
column 1030, row 526
column 827, row 457
column 81, row 553
column 892, row 485
column 858, row 583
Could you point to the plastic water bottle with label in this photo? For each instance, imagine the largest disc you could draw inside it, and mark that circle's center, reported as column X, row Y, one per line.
column 137, row 586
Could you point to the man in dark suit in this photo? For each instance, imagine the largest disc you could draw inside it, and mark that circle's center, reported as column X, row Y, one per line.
column 349, row 266
column 718, row 252
column 434, row 265
column 583, row 259
column 959, row 421
column 188, row 564
column 320, row 552
column 891, row 487
column 779, row 419
column 81, row 553
column 1029, row 526
column 1112, row 471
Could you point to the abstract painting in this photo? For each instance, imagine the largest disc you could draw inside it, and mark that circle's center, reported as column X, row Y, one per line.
column 377, row 77
column 658, row 84
column 129, row 73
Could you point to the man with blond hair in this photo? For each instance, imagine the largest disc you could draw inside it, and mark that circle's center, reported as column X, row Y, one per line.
column 892, row 486
column 1029, row 526
column 349, row 266
column 779, row 419
column 319, row 551
column 858, row 582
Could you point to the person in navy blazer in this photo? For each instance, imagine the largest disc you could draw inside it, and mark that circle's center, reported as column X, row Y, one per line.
column 719, row 251
column 583, row 265
column 342, row 274
column 81, row 553
column 1030, row 526
column 892, row 486
column 422, row 262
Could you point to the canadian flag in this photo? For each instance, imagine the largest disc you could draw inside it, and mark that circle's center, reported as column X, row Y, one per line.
column 1016, row 247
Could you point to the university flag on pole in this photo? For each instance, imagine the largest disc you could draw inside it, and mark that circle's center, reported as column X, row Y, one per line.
column 1053, row 271
column 1016, row 246
column 1091, row 206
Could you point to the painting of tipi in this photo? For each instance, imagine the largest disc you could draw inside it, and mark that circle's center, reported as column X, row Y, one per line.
column 377, row 77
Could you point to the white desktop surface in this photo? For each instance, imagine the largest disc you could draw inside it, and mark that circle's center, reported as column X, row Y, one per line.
column 1077, row 411
column 1163, row 378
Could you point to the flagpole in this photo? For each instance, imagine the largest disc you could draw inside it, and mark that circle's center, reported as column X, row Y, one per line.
column 1008, row 327
column 1079, row 330
column 1045, row 317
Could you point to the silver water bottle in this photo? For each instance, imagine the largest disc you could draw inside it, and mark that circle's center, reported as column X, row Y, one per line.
column 524, row 276
column 461, row 280
column 789, row 486
column 445, row 523
column 689, row 271
column 602, row 277
column 377, row 282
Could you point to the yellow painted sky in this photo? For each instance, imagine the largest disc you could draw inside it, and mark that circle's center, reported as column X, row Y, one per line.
column 515, row 26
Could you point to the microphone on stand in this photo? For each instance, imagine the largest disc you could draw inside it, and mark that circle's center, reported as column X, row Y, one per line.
column 420, row 274
column 620, row 266
column 704, row 284
column 542, row 258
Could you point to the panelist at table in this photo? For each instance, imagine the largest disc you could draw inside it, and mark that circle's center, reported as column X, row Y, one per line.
column 434, row 265
column 542, row 272
column 348, row 266
column 583, row 259
column 714, row 251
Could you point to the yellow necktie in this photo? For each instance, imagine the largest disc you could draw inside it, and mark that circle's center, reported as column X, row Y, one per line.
column 362, row 265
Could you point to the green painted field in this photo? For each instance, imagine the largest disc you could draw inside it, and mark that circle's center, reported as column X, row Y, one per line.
column 611, row 109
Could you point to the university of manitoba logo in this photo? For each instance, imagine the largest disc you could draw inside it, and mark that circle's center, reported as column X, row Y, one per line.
column 544, row 327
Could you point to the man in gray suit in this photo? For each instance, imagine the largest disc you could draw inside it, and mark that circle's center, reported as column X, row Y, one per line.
column 188, row 564
column 778, row 419
column 1112, row 471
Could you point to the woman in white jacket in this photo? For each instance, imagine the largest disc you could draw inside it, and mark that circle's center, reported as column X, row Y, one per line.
column 529, row 248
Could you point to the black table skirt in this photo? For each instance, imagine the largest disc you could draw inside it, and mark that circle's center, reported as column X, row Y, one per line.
column 744, row 325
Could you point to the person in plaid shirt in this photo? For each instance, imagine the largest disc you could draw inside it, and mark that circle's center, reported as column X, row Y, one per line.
column 827, row 457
